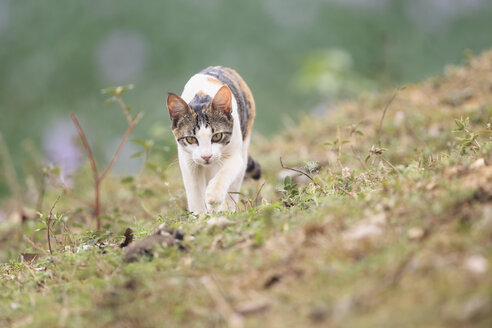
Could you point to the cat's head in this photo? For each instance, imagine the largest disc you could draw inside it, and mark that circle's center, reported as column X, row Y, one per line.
column 204, row 126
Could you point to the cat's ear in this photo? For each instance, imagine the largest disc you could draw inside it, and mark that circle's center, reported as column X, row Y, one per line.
column 223, row 100
column 177, row 106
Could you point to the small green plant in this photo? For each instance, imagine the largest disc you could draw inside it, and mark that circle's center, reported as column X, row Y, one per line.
column 115, row 93
column 50, row 221
column 468, row 139
column 290, row 189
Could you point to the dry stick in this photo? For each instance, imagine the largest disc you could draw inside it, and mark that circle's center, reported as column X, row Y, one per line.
column 357, row 155
column 346, row 192
column 258, row 193
column 296, row 170
column 95, row 174
column 232, row 198
column 339, row 150
column 388, row 162
column 232, row 318
column 384, row 114
column 301, row 172
column 33, row 274
column 98, row 178
column 476, row 142
column 33, row 244
column 124, row 108
column 120, row 146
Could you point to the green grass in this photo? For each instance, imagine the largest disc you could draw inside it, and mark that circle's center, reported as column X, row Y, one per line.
column 395, row 235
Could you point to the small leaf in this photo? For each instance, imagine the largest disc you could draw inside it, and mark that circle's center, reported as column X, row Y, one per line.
column 109, row 101
column 152, row 166
column 127, row 180
column 146, row 193
column 460, row 125
column 111, row 90
column 106, row 218
column 117, row 91
column 137, row 154
column 287, row 180
column 146, row 144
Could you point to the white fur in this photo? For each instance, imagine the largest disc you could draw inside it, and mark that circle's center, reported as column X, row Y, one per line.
column 212, row 186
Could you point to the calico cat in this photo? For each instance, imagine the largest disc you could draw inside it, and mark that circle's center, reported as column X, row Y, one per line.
column 212, row 122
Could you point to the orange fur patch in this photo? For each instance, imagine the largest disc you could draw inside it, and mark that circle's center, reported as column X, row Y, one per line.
column 215, row 81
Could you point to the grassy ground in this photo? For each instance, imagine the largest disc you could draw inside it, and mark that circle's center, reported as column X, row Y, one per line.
column 390, row 227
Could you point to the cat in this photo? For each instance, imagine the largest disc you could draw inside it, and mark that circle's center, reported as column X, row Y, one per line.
column 212, row 122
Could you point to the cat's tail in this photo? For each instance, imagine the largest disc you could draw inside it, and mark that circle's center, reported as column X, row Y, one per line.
column 253, row 170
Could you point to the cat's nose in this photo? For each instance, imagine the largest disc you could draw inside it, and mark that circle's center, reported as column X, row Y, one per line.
column 206, row 158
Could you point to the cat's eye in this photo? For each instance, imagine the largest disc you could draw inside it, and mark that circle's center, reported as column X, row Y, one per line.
column 217, row 137
column 191, row 140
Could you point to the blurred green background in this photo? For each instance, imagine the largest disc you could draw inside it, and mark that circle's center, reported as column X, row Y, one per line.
column 297, row 56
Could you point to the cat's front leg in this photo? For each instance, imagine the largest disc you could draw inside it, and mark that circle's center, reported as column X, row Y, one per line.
column 194, row 183
column 218, row 187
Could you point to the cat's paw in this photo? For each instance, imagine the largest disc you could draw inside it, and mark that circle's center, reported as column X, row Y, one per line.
column 214, row 208
column 215, row 198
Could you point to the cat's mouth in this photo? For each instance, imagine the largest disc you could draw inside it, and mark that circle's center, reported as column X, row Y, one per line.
column 203, row 163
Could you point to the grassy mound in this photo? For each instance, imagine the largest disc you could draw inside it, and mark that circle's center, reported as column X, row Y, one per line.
column 389, row 224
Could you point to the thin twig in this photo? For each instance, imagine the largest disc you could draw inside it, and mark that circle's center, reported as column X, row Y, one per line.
column 304, row 173
column 475, row 140
column 301, row 172
column 83, row 138
column 258, row 193
column 120, row 146
column 124, row 108
column 384, row 114
column 99, row 178
column 339, row 150
column 93, row 165
column 296, row 170
column 33, row 244
column 346, row 192
column 388, row 162
column 232, row 198
column 357, row 155
column 232, row 318
column 32, row 273
column 396, row 276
